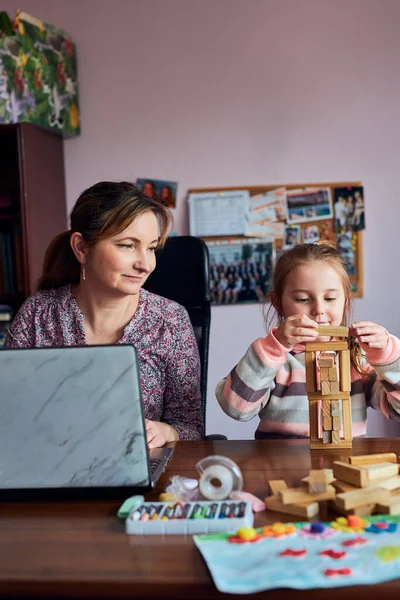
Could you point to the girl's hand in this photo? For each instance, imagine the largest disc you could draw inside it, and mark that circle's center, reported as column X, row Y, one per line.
column 371, row 334
column 158, row 433
column 296, row 329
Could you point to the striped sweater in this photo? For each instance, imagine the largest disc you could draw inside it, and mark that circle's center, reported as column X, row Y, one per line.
column 269, row 381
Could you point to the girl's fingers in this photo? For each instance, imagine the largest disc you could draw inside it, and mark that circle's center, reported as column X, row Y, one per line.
column 303, row 331
column 372, row 338
column 369, row 330
column 358, row 324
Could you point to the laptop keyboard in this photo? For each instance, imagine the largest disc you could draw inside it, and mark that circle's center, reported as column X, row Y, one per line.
column 154, row 463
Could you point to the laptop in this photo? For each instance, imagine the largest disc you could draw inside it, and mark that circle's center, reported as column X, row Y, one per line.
column 72, row 424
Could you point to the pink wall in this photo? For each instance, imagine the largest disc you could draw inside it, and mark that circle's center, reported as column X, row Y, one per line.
column 237, row 92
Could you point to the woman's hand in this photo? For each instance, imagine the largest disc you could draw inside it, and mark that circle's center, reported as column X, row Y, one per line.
column 296, row 329
column 371, row 334
column 159, row 433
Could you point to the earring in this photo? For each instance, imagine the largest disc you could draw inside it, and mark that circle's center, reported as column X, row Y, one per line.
column 83, row 272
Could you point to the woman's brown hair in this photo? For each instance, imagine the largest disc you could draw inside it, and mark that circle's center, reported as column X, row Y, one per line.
column 101, row 211
column 303, row 254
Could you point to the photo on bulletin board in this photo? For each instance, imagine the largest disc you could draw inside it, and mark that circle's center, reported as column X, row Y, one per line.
column 308, row 204
column 292, row 236
column 349, row 208
column 240, row 270
column 160, row 189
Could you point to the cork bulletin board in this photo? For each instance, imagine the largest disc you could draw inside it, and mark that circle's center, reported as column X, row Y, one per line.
column 342, row 226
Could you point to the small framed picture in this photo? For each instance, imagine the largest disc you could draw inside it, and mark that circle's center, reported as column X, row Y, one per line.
column 310, row 234
column 292, row 236
column 160, row 189
column 349, row 208
column 240, row 270
column 308, row 204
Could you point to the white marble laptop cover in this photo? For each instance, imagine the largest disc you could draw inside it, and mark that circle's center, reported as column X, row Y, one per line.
column 71, row 417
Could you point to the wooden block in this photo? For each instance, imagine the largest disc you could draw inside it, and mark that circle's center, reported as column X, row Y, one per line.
column 344, row 371
column 361, row 511
column 304, row 510
column 318, row 480
column 336, row 423
column 357, row 476
column 311, row 372
column 347, row 420
column 392, row 484
column 380, row 470
column 342, row 486
column 334, row 331
column 321, row 475
column 326, row 362
column 319, row 445
column 371, row 459
column 326, row 409
column 276, row 485
column 335, row 408
column 389, row 507
column 325, row 388
column 325, row 346
column 327, row 423
column 319, row 396
column 336, row 436
column 333, row 375
column 362, row 497
column 334, row 387
column 313, row 411
column 324, row 373
column 299, row 496
column 327, row 437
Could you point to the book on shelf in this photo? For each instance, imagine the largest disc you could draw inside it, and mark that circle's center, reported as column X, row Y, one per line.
column 6, row 313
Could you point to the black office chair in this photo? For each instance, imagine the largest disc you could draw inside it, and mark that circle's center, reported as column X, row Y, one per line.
column 182, row 274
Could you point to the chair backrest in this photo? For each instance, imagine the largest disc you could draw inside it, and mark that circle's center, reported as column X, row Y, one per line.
column 182, row 274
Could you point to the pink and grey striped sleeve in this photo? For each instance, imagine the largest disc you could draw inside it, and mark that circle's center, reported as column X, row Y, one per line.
column 385, row 391
column 248, row 386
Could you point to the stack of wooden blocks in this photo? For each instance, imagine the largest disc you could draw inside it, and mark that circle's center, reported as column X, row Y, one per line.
column 302, row 501
column 363, row 486
column 328, row 389
column 331, row 423
column 366, row 485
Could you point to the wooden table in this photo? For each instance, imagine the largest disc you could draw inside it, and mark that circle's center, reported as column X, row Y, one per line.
column 80, row 550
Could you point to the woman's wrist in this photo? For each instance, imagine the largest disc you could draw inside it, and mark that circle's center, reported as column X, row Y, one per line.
column 173, row 435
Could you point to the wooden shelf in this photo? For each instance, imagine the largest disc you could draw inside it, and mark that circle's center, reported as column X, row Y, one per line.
column 32, row 176
column 9, row 216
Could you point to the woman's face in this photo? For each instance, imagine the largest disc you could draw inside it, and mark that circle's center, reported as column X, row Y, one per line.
column 148, row 190
column 122, row 263
column 164, row 193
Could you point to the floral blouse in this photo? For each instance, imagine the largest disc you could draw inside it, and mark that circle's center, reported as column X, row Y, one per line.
column 162, row 334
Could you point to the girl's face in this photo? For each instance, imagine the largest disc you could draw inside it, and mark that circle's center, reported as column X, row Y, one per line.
column 122, row 263
column 315, row 290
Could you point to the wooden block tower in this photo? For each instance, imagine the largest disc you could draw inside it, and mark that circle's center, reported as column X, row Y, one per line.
column 328, row 388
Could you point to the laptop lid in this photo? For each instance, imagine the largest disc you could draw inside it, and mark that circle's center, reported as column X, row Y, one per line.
column 71, row 419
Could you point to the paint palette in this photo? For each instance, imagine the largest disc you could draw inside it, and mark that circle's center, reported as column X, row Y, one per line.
column 155, row 518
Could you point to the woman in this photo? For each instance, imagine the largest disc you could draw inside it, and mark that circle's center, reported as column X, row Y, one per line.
column 91, row 293
column 167, row 197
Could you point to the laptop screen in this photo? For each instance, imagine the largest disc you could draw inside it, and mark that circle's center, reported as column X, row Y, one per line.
column 71, row 418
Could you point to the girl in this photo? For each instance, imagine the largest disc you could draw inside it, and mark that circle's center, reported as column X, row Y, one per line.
column 311, row 288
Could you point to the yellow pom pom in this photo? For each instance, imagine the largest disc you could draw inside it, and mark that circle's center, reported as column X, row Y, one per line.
column 247, row 533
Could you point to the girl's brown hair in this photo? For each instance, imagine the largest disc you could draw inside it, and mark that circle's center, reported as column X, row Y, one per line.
column 101, row 211
column 303, row 254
